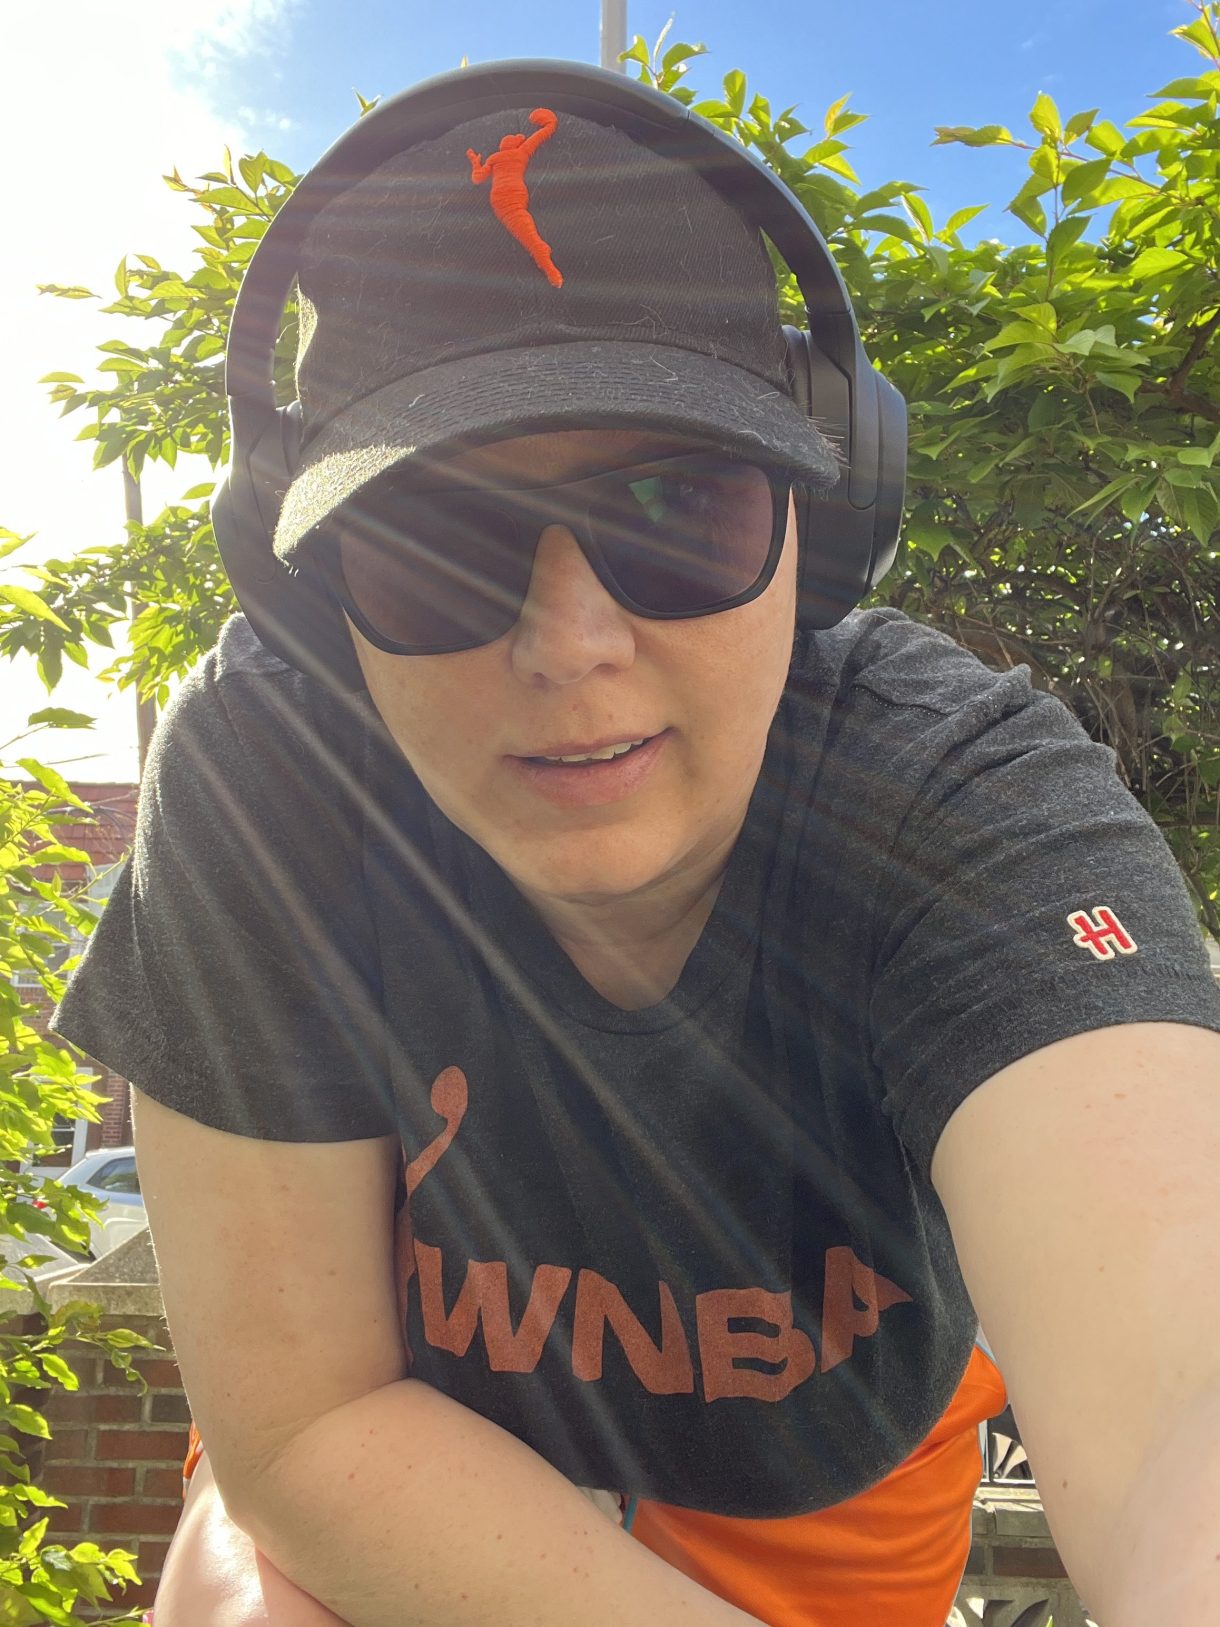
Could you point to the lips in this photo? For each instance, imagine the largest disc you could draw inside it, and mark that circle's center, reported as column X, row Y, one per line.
column 594, row 784
column 584, row 748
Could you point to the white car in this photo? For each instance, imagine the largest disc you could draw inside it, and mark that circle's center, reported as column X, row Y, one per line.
column 108, row 1174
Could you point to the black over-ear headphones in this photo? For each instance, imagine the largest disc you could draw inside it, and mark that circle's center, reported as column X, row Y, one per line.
column 848, row 535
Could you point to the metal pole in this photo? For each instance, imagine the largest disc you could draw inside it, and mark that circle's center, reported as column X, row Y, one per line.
column 614, row 34
column 146, row 709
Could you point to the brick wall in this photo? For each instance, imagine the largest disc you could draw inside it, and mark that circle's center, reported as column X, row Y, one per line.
column 115, row 1456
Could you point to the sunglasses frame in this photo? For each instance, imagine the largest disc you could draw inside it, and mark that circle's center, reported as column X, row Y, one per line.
column 578, row 522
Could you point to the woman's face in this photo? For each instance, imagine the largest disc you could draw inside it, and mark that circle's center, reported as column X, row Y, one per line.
column 575, row 673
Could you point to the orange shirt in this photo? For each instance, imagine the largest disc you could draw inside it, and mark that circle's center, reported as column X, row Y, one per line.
column 894, row 1554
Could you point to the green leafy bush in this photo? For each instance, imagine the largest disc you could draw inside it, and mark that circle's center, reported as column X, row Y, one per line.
column 41, row 917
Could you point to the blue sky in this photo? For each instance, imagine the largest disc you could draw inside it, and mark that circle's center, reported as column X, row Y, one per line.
column 909, row 64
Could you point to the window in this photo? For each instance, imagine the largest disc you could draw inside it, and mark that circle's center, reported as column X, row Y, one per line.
column 119, row 1175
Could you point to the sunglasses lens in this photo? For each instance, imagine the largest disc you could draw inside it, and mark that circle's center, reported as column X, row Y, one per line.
column 684, row 539
column 436, row 571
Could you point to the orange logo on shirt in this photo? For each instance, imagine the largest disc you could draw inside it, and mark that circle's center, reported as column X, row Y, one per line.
column 853, row 1298
column 510, row 199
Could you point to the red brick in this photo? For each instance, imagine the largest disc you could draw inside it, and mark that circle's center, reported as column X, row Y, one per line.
column 1040, row 1562
column 74, row 1480
column 128, row 1519
column 70, row 1519
column 119, row 1409
column 103, row 1408
column 141, row 1445
column 162, row 1483
column 161, row 1374
column 67, row 1446
column 86, row 1366
column 151, row 1556
column 114, row 1378
column 168, row 1408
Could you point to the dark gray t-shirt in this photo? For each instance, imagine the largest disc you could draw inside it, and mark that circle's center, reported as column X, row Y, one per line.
column 691, row 1252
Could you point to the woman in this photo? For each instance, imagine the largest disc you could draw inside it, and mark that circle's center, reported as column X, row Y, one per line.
column 623, row 1006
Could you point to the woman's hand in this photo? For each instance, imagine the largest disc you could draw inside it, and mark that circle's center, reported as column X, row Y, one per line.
column 214, row 1576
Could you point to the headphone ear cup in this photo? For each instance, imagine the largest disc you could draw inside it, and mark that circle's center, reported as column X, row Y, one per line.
column 291, row 610
column 891, row 475
column 848, row 533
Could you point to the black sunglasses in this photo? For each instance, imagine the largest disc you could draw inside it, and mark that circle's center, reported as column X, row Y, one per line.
column 433, row 572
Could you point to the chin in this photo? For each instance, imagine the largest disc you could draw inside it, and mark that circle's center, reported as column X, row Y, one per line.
column 586, row 871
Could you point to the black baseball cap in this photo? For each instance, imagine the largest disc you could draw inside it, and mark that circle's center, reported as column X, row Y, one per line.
column 475, row 287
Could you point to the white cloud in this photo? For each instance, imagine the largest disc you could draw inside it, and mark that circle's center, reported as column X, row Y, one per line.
column 101, row 102
column 268, row 119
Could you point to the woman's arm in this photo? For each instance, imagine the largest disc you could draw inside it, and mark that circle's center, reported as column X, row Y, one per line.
column 214, row 1576
column 1094, row 1300
column 405, row 1509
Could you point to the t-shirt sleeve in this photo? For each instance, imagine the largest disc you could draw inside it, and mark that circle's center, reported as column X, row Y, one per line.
column 232, row 976
column 1026, row 897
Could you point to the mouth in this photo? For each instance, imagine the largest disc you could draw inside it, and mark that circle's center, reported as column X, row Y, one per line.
column 584, row 774
column 575, row 755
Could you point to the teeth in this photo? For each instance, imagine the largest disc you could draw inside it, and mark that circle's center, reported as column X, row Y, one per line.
column 595, row 756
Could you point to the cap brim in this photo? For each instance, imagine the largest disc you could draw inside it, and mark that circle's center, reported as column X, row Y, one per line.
column 587, row 384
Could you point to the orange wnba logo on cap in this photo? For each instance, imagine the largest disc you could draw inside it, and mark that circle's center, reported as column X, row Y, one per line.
column 510, row 199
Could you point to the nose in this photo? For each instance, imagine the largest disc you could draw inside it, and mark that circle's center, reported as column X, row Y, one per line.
column 569, row 625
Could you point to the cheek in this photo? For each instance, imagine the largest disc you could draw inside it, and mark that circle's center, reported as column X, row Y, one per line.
column 426, row 705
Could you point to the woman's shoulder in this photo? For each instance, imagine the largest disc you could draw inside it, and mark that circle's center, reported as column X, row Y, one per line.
column 247, row 722
column 891, row 657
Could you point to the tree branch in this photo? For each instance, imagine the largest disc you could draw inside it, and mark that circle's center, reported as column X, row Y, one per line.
column 1176, row 391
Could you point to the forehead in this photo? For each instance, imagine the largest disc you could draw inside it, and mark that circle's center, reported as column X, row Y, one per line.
column 556, row 456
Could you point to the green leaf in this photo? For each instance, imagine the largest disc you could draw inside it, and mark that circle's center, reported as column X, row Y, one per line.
column 839, row 166
column 1199, row 35
column 60, row 378
column 1017, row 333
column 1044, row 116
column 1045, row 411
column 59, row 717
column 1125, row 383
column 919, row 212
column 1207, row 84
column 27, row 601
column 1081, row 180
column 960, row 218
column 986, row 135
column 26, row 1420
column 832, row 113
column 1110, row 490
column 735, row 90
column 1079, row 343
column 1155, row 262
column 1065, row 235
column 891, row 226
column 52, row 782
column 1107, row 138
column 1042, row 315
column 1080, row 122
column 1027, row 209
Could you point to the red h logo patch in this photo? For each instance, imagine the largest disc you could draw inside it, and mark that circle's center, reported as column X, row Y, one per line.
column 1101, row 933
